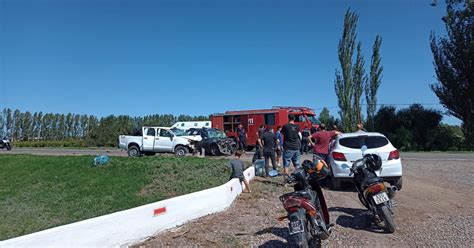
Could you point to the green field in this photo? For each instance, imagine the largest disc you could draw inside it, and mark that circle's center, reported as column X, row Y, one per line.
column 40, row 192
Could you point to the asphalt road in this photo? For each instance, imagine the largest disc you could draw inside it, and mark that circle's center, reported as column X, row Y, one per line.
column 420, row 156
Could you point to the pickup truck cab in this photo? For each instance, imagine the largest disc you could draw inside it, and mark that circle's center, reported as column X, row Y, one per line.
column 158, row 140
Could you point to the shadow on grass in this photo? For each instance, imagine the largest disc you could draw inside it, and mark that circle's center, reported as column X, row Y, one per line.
column 358, row 219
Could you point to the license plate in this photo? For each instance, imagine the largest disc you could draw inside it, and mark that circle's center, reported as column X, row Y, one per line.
column 380, row 198
column 296, row 227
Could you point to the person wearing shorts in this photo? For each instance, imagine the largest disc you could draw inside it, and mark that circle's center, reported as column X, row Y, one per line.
column 291, row 145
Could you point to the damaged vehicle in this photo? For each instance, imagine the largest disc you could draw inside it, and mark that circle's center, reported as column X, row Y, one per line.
column 152, row 140
column 214, row 141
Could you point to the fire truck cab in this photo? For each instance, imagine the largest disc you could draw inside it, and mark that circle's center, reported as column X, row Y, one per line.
column 252, row 119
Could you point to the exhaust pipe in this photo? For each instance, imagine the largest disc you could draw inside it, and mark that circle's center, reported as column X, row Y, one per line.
column 392, row 191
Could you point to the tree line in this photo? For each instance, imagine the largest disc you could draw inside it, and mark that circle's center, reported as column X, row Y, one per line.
column 54, row 129
column 414, row 128
column 453, row 64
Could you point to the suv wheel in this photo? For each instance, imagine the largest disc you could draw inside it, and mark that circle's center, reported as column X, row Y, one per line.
column 214, row 150
column 336, row 183
column 398, row 183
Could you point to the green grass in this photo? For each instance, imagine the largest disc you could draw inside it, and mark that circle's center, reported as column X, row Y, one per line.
column 40, row 192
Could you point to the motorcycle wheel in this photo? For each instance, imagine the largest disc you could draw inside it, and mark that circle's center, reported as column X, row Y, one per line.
column 9, row 147
column 387, row 216
column 314, row 242
column 300, row 240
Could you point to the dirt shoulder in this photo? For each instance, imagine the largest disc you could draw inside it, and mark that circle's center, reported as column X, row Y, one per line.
column 434, row 208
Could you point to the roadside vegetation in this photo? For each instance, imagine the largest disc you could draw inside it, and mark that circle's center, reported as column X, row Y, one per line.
column 39, row 129
column 40, row 192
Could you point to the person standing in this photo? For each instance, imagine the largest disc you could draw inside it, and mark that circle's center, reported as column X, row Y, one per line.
column 291, row 145
column 279, row 150
column 314, row 129
column 305, row 134
column 259, row 145
column 242, row 137
column 269, row 142
column 360, row 128
column 322, row 139
column 237, row 170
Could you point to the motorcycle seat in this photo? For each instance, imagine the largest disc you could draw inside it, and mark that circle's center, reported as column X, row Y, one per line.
column 374, row 180
column 302, row 194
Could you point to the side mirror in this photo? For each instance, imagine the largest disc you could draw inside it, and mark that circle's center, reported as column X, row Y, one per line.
column 363, row 149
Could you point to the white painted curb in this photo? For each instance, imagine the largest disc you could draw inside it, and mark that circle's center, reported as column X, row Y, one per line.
column 133, row 225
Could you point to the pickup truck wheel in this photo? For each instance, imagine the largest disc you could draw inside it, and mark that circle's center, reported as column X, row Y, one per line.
column 133, row 151
column 181, row 151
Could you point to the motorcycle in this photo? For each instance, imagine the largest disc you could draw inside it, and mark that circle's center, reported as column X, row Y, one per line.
column 372, row 191
column 5, row 143
column 306, row 207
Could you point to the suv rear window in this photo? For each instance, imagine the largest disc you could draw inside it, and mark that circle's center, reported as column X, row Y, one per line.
column 359, row 141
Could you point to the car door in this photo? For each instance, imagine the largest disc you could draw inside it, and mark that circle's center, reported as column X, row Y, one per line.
column 149, row 134
column 164, row 141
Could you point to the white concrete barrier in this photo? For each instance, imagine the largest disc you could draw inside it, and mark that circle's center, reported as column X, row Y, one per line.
column 133, row 225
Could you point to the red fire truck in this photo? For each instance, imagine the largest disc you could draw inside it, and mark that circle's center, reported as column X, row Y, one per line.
column 252, row 119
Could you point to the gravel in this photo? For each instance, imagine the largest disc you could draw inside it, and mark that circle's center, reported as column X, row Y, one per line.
column 434, row 209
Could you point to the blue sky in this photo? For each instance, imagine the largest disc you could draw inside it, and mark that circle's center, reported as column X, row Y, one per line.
column 200, row 57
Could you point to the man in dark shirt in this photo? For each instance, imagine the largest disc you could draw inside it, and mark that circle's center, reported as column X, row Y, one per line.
column 291, row 145
column 269, row 142
column 323, row 138
column 259, row 145
column 305, row 140
column 314, row 129
column 242, row 137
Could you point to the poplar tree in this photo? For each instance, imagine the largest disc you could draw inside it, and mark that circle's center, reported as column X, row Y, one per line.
column 372, row 86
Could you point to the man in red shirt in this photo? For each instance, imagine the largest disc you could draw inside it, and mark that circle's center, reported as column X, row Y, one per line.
column 322, row 138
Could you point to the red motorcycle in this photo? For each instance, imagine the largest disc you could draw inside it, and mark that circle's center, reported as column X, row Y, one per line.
column 306, row 206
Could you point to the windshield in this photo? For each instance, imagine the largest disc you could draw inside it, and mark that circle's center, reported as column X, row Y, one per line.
column 216, row 134
column 178, row 132
column 313, row 119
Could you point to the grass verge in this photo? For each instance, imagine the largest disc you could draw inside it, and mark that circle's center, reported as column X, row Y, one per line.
column 40, row 192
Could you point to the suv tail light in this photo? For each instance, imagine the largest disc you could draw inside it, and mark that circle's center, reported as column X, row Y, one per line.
column 338, row 156
column 394, row 155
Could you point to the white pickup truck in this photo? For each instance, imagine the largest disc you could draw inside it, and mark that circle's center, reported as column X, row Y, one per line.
column 158, row 140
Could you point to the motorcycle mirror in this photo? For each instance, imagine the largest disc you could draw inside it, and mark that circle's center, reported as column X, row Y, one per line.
column 363, row 149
